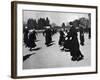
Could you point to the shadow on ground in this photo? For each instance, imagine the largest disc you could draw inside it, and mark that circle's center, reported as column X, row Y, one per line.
column 27, row 56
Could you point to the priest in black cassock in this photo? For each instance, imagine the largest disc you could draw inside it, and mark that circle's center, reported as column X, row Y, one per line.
column 48, row 36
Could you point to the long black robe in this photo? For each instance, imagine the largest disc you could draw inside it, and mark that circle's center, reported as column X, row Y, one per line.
column 31, row 42
column 74, row 49
column 61, row 38
column 67, row 43
column 81, row 36
column 26, row 36
column 48, row 36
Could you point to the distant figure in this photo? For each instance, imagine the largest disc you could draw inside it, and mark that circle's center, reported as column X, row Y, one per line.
column 48, row 36
column 35, row 34
column 26, row 36
column 74, row 47
column 81, row 36
column 62, row 37
column 89, row 31
column 32, row 37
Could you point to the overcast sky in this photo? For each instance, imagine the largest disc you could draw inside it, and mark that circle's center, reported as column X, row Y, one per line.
column 54, row 17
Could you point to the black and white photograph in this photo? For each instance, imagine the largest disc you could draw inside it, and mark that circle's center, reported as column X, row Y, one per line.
column 56, row 39
column 53, row 39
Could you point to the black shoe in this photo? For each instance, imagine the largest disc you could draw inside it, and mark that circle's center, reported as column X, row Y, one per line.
column 82, row 44
column 79, row 58
column 73, row 59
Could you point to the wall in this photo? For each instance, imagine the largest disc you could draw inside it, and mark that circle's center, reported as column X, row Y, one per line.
column 5, row 40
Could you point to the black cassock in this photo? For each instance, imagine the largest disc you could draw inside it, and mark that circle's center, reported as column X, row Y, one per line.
column 89, row 31
column 26, row 37
column 31, row 42
column 74, row 48
column 67, row 43
column 61, row 38
column 81, row 36
column 35, row 33
column 48, row 36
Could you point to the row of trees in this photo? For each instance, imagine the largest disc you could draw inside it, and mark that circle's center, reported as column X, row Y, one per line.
column 41, row 23
column 84, row 22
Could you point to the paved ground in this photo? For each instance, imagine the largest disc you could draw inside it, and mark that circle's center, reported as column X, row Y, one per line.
column 52, row 57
